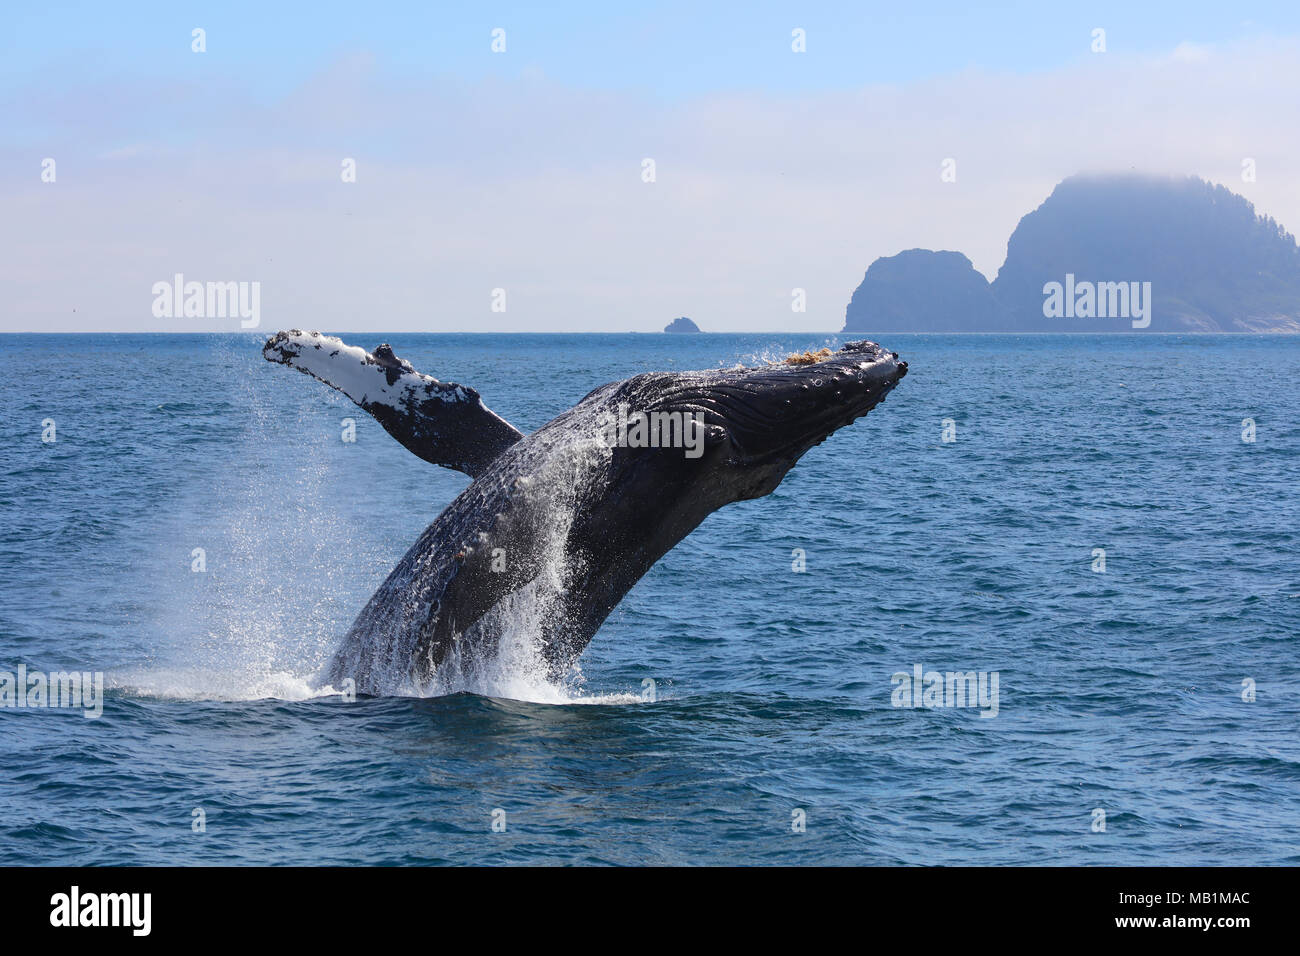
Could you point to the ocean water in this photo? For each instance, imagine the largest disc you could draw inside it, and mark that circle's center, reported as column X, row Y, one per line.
column 1120, row 691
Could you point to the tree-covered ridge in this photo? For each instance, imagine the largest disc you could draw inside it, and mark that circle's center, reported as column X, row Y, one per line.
column 1213, row 264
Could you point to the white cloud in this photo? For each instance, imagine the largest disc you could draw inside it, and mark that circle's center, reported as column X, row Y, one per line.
column 537, row 188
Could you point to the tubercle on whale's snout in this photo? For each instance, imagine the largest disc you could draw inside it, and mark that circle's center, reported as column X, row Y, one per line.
column 900, row 368
column 876, row 351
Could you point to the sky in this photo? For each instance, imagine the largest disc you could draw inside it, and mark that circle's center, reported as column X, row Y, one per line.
column 511, row 190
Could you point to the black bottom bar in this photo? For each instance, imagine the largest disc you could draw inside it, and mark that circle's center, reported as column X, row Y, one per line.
column 303, row 906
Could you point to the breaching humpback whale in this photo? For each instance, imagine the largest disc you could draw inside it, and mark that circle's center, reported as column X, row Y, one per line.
column 558, row 525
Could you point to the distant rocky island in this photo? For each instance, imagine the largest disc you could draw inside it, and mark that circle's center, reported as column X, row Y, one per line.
column 1102, row 254
column 681, row 325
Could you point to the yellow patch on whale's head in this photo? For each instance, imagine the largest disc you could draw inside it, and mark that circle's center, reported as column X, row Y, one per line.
column 807, row 358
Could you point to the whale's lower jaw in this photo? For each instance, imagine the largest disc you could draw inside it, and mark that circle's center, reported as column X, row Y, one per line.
column 524, row 566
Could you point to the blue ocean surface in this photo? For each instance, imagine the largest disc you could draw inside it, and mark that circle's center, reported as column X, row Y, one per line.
column 731, row 701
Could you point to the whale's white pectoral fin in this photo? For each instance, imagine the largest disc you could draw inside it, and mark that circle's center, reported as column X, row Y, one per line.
column 442, row 422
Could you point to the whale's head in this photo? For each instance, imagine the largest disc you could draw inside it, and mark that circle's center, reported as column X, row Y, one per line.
column 770, row 416
column 736, row 432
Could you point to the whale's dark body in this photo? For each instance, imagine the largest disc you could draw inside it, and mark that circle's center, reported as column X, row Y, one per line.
column 557, row 526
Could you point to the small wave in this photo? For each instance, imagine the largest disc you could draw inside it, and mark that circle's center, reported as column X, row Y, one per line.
column 562, row 698
column 199, row 685
column 189, row 684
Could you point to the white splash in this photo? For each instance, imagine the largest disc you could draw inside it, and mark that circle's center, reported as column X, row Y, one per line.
column 508, row 661
column 252, row 628
column 205, row 684
column 776, row 354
